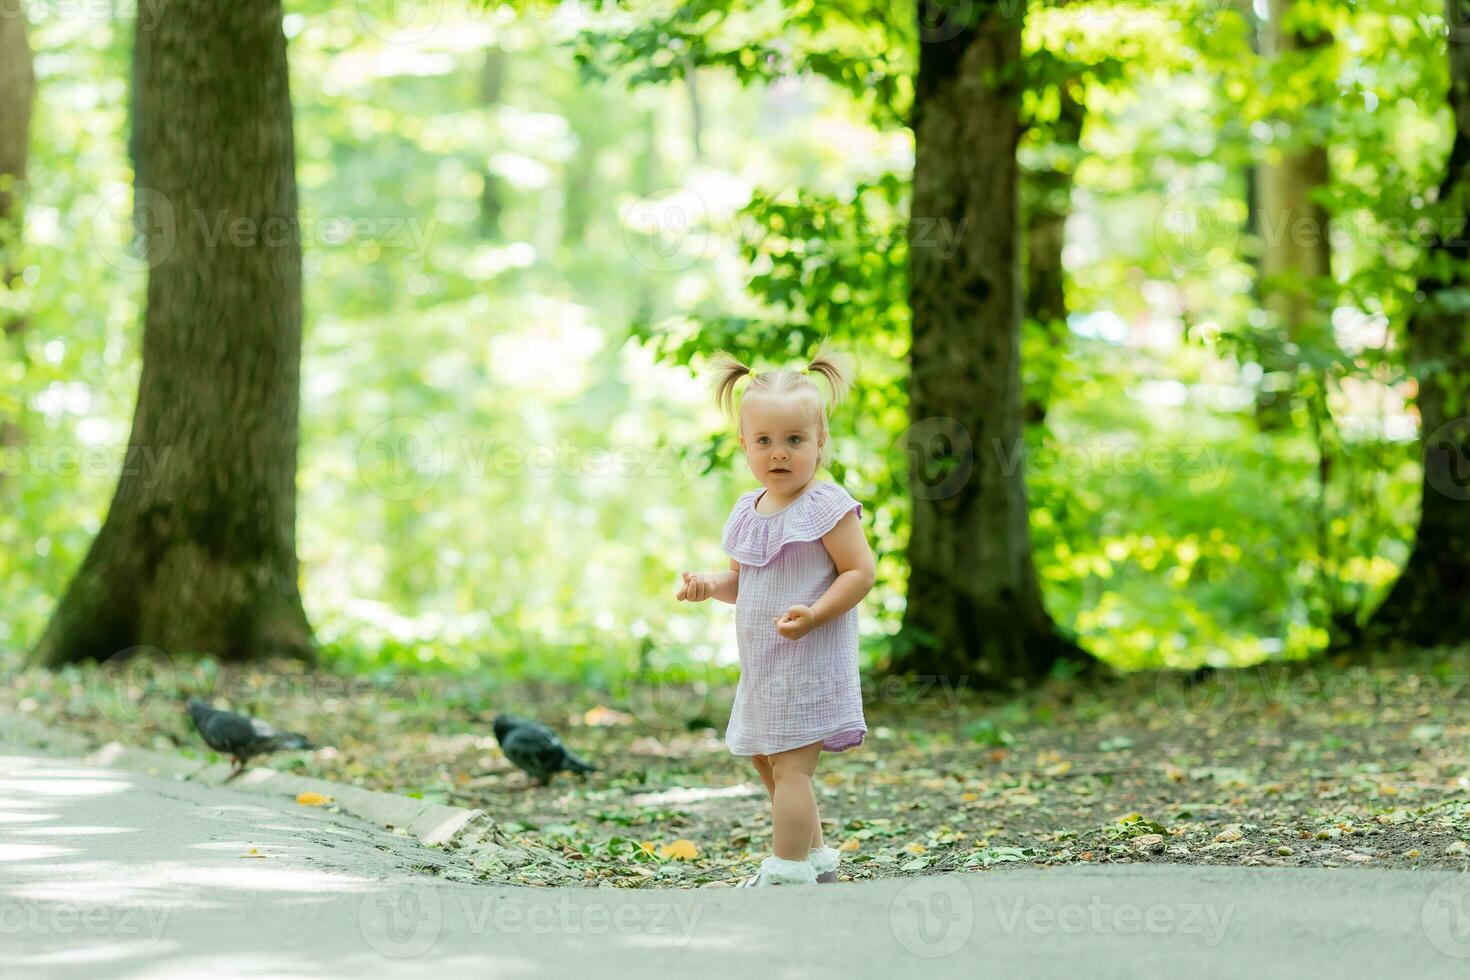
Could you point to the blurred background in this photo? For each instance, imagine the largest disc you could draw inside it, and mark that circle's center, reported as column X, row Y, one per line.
column 523, row 229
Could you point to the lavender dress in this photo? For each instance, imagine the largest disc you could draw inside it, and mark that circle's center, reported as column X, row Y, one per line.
column 791, row 692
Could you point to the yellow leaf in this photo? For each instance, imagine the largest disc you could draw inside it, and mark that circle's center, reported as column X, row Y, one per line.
column 1060, row 769
column 850, row 845
column 970, row 797
column 680, row 850
column 253, row 853
column 647, row 846
column 310, row 798
column 915, row 848
column 1388, row 790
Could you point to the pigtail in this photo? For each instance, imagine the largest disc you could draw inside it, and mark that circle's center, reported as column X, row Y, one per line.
column 728, row 369
column 836, row 369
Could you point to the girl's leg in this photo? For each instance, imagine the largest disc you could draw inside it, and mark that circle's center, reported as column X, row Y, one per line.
column 762, row 765
column 793, row 803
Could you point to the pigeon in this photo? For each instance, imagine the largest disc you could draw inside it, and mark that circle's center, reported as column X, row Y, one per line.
column 535, row 749
column 240, row 736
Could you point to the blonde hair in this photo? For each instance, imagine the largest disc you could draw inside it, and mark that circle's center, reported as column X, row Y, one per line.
column 795, row 383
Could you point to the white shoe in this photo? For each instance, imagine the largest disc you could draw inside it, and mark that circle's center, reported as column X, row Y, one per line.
column 824, row 863
column 779, row 871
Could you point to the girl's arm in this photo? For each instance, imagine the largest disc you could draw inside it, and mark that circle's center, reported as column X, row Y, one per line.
column 855, row 569
column 727, row 584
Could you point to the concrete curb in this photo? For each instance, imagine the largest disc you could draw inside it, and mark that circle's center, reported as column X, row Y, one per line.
column 431, row 823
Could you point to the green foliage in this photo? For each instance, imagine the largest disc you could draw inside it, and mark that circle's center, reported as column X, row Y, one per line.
column 466, row 353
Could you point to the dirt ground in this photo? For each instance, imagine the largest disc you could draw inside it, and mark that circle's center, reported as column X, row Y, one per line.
column 1333, row 764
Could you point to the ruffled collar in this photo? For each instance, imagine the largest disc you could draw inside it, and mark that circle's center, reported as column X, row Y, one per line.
column 754, row 539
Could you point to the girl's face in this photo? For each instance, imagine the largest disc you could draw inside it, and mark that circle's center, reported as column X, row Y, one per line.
column 781, row 443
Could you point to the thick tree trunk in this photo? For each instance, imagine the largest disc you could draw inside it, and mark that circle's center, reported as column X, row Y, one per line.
column 1294, row 230
column 198, row 550
column 974, row 602
column 1430, row 603
column 1046, row 236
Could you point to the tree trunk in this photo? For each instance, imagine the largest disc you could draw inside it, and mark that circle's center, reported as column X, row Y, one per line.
column 974, row 602
column 17, row 93
column 1046, row 236
column 492, row 191
column 1294, row 230
column 198, row 551
column 1430, row 602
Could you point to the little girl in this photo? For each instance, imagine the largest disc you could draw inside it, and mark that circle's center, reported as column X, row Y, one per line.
column 799, row 566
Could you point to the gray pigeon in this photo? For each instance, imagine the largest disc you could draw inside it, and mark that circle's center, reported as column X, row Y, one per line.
column 535, row 749
column 240, row 736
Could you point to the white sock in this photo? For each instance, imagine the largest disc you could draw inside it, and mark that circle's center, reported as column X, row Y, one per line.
column 780, row 871
column 823, row 859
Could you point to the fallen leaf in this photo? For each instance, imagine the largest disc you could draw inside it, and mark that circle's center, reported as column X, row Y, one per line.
column 850, row 845
column 252, row 853
column 915, row 848
column 311, row 798
column 682, row 849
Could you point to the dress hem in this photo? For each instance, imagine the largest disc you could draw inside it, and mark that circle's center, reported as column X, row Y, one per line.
column 841, row 740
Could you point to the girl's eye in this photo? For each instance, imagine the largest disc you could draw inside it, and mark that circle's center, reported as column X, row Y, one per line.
column 796, row 438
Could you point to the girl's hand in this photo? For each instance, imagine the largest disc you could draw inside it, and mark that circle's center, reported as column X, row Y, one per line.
column 798, row 622
column 695, row 588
